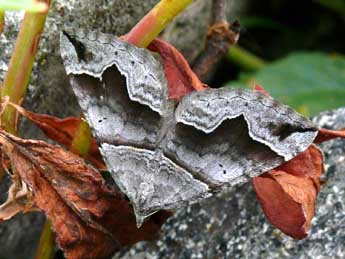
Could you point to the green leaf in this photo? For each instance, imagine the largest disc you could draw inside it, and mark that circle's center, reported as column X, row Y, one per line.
column 309, row 82
column 26, row 5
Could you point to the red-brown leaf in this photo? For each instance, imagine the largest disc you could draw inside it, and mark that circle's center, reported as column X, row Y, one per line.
column 260, row 89
column 181, row 79
column 63, row 131
column 91, row 219
column 288, row 193
column 280, row 209
column 325, row 135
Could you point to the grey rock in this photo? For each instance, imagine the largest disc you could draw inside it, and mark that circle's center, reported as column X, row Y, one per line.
column 232, row 224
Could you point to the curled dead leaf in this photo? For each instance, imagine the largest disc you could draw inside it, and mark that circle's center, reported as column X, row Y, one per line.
column 326, row 134
column 181, row 78
column 260, row 89
column 62, row 131
column 91, row 219
column 19, row 200
column 288, row 193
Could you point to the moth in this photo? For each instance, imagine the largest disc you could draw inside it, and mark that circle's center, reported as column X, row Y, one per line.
column 164, row 155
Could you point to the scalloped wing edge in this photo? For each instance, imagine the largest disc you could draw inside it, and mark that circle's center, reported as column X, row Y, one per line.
column 152, row 90
column 190, row 102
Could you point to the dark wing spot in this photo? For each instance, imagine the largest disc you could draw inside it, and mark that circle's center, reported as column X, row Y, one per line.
column 284, row 130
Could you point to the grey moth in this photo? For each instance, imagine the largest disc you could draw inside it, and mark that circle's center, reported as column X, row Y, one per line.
column 164, row 155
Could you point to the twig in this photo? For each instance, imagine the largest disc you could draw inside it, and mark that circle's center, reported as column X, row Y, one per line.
column 218, row 11
column 220, row 37
column 245, row 59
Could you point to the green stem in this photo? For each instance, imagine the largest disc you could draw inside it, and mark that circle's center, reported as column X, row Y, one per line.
column 2, row 21
column 155, row 21
column 26, row 5
column 245, row 59
column 15, row 85
column 82, row 139
column 18, row 74
column 46, row 245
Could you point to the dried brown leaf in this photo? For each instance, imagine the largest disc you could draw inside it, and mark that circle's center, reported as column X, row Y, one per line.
column 63, row 131
column 288, row 193
column 19, row 200
column 325, row 135
column 91, row 219
column 181, row 78
column 260, row 89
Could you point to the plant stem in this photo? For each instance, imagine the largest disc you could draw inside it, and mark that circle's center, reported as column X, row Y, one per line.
column 26, row 5
column 220, row 37
column 155, row 21
column 46, row 245
column 2, row 21
column 15, row 85
column 18, row 74
column 82, row 139
column 245, row 59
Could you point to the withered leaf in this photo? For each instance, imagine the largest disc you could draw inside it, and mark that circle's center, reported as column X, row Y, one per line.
column 165, row 158
column 288, row 193
column 260, row 89
column 181, row 79
column 91, row 219
column 18, row 200
column 63, row 132
column 326, row 134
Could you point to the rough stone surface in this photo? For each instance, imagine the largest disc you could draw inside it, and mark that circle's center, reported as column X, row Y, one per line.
column 232, row 224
